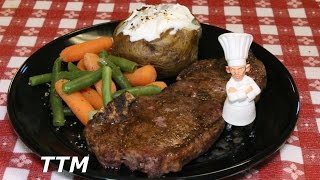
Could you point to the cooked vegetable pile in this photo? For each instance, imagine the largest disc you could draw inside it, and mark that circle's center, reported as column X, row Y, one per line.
column 92, row 79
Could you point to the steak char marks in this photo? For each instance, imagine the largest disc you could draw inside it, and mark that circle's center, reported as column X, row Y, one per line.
column 161, row 133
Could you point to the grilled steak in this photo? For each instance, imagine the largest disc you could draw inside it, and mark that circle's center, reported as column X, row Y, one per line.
column 161, row 133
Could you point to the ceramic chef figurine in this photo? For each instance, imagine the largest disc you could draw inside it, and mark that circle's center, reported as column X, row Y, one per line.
column 239, row 107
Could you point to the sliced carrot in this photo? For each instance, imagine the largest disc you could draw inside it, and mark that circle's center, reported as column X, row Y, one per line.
column 76, row 102
column 93, row 97
column 98, row 86
column 77, row 51
column 142, row 76
column 160, row 84
column 81, row 65
column 91, row 61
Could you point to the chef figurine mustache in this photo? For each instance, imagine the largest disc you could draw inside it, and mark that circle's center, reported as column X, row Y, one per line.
column 239, row 107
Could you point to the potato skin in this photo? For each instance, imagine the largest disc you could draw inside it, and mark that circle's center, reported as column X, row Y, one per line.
column 169, row 54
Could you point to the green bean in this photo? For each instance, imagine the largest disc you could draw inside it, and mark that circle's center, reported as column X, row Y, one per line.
column 55, row 100
column 81, row 82
column 72, row 67
column 139, row 91
column 40, row 79
column 106, row 85
column 74, row 74
column 123, row 63
column 104, row 60
column 45, row 78
column 119, row 92
column 120, row 79
column 117, row 75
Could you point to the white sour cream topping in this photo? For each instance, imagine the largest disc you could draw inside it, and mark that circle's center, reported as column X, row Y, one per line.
column 152, row 20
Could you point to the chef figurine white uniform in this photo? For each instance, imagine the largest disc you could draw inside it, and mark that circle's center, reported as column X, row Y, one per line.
column 239, row 107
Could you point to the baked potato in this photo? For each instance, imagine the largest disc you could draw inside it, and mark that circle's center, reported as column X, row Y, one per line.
column 169, row 54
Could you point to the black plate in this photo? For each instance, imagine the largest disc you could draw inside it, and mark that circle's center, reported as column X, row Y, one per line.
column 277, row 113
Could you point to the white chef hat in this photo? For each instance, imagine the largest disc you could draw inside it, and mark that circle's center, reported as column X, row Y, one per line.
column 236, row 47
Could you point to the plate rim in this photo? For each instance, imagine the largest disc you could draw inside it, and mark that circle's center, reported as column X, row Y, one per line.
column 249, row 162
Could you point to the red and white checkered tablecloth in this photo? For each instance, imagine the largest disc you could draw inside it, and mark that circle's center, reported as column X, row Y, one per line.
column 289, row 29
